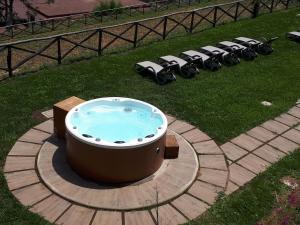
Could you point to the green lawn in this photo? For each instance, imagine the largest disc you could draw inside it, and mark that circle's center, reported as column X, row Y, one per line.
column 223, row 103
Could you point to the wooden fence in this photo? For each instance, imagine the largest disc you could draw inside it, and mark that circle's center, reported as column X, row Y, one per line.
column 31, row 54
column 86, row 19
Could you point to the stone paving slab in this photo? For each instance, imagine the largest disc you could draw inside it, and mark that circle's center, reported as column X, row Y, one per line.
column 261, row 134
column 207, row 147
column 293, row 135
column 107, row 218
column 295, row 111
column 21, row 179
column 31, row 194
column 24, row 149
column 76, row 215
column 51, row 208
column 190, row 206
column 138, row 217
column 232, row 151
column 269, row 153
column 212, row 176
column 213, row 161
column 17, row 163
column 240, row 175
column 170, row 119
column 205, row 192
column 275, row 126
column 35, row 136
column 180, row 127
column 168, row 215
column 231, row 188
column 47, row 126
column 288, row 119
column 253, row 163
column 246, row 142
column 195, row 136
column 283, row 144
column 48, row 114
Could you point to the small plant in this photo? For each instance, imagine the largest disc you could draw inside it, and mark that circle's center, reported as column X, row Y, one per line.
column 107, row 5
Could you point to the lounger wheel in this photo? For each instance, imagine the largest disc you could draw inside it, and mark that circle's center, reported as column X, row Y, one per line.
column 248, row 54
column 189, row 71
column 212, row 64
column 264, row 49
column 164, row 77
column 231, row 59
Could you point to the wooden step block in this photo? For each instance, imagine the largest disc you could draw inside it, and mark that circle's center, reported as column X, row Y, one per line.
column 60, row 111
column 171, row 148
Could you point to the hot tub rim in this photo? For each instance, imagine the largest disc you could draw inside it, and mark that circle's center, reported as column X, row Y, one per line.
column 112, row 145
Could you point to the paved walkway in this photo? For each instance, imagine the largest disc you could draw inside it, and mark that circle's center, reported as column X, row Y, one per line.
column 60, row 196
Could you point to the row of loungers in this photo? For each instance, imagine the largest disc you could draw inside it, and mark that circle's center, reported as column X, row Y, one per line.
column 209, row 57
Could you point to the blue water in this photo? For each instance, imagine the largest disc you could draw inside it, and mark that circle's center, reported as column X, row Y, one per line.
column 116, row 121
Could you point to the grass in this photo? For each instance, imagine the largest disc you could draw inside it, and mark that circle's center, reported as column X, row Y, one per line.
column 223, row 103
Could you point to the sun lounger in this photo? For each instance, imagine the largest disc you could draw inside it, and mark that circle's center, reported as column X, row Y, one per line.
column 294, row 36
column 186, row 69
column 225, row 57
column 241, row 51
column 201, row 60
column 162, row 74
column 261, row 47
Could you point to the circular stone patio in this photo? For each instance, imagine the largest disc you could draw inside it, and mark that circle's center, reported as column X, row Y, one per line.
column 39, row 177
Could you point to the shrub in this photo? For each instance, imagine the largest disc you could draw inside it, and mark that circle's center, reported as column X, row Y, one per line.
column 107, row 5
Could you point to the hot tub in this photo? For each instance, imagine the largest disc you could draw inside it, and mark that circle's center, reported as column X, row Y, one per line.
column 115, row 139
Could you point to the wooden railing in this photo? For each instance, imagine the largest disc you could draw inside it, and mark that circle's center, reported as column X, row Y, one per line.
column 30, row 54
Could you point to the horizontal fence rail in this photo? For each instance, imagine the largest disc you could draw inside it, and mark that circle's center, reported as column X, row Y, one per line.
column 31, row 54
column 85, row 19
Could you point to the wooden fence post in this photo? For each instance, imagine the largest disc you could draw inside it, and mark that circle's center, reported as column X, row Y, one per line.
column 100, row 34
column 287, row 4
column 58, row 50
column 32, row 27
column 215, row 16
column 256, row 7
column 69, row 21
column 135, row 34
column 85, row 19
column 236, row 11
column 9, row 62
column 52, row 24
column 192, row 22
column 272, row 5
column 11, row 29
column 165, row 27
column 155, row 6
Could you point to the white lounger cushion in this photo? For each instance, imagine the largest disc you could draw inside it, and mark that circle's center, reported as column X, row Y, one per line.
column 296, row 33
column 193, row 53
column 245, row 39
column 213, row 49
column 170, row 58
column 153, row 65
column 232, row 44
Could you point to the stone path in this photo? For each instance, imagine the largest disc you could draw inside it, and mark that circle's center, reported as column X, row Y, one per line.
column 38, row 177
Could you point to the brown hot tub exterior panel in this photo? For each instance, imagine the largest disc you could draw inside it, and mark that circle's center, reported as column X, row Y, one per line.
column 114, row 165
